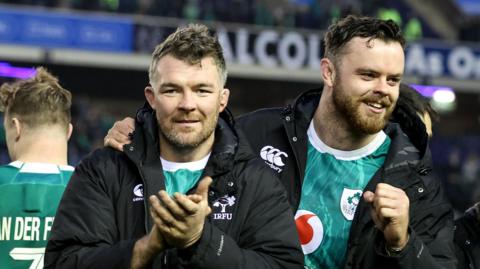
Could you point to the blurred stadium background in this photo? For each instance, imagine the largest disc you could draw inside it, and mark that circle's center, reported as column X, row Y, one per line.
column 100, row 51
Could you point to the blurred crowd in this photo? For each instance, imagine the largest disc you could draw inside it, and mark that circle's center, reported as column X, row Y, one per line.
column 309, row 14
column 457, row 164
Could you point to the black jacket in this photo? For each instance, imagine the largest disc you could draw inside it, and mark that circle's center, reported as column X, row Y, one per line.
column 282, row 133
column 467, row 227
column 103, row 212
column 467, row 239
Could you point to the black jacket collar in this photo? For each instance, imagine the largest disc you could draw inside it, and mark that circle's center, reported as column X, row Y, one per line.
column 144, row 151
column 413, row 138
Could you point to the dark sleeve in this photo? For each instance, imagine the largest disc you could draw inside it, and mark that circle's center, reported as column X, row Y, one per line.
column 467, row 240
column 268, row 237
column 84, row 230
column 259, row 125
column 431, row 234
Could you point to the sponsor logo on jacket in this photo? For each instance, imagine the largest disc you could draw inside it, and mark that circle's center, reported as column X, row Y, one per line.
column 273, row 157
column 223, row 204
column 138, row 193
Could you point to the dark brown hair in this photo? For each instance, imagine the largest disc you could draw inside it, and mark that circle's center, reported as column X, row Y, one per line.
column 341, row 32
column 410, row 99
column 191, row 44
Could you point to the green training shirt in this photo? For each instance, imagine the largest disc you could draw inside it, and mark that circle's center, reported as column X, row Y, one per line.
column 182, row 177
column 29, row 196
column 332, row 188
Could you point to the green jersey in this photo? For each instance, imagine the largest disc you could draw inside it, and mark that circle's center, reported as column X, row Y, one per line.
column 29, row 196
column 182, row 177
column 332, row 188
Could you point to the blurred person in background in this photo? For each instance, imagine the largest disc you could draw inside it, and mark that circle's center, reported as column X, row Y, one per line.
column 37, row 124
column 411, row 111
column 467, row 238
column 342, row 134
column 149, row 206
column 412, row 107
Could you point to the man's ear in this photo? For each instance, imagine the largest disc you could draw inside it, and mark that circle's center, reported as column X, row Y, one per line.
column 18, row 128
column 224, row 95
column 69, row 131
column 328, row 72
column 150, row 96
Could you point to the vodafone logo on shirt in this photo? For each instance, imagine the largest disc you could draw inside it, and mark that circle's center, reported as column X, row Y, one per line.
column 310, row 230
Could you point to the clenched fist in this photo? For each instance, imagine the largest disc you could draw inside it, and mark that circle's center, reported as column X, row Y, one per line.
column 389, row 209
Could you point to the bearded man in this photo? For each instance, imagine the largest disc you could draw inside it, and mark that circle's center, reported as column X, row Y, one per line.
column 363, row 193
column 364, row 196
column 187, row 192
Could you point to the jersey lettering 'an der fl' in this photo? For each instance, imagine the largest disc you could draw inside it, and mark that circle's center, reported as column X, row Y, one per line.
column 30, row 194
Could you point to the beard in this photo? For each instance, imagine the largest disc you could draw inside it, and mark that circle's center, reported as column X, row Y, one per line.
column 187, row 139
column 349, row 108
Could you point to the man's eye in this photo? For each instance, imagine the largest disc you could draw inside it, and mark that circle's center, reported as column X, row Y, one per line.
column 368, row 76
column 393, row 81
column 169, row 91
column 203, row 91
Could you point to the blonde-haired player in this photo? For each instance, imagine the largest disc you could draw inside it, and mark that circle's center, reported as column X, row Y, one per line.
column 37, row 126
